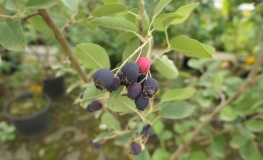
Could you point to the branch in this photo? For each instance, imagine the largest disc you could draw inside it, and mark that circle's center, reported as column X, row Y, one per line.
column 63, row 43
column 251, row 80
column 28, row 16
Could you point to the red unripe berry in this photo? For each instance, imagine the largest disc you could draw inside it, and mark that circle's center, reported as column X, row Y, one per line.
column 144, row 64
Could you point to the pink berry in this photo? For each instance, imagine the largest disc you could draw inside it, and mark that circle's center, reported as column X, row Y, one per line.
column 144, row 64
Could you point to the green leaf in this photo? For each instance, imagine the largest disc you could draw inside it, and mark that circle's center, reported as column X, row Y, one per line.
column 12, row 36
column 109, row 9
column 218, row 146
column 245, row 132
column 71, row 4
column 131, row 17
column 158, row 127
column 247, row 150
column 185, row 12
column 177, row 110
column 228, row 114
column 72, row 87
column 123, row 139
column 190, row 47
column 196, row 63
column 123, row 104
column 40, row 4
column 131, row 46
column 92, row 56
column 123, row 37
column 219, row 79
column 163, row 21
column 166, row 67
column 144, row 155
column 166, row 135
column 11, row 4
column 256, row 156
column 178, row 94
column 160, row 154
column 115, row 23
column 110, row 121
column 40, row 25
column 254, row 125
column 110, row 1
column 238, row 141
column 92, row 93
column 160, row 6
column 101, row 136
column 114, row 96
column 198, row 155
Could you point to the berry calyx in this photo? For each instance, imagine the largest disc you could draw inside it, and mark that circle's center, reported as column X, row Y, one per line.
column 144, row 64
column 103, row 78
column 147, row 130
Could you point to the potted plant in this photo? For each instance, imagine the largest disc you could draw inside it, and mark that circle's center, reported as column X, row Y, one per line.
column 29, row 113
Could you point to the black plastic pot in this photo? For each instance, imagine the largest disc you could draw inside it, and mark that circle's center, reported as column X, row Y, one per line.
column 30, row 126
column 54, row 87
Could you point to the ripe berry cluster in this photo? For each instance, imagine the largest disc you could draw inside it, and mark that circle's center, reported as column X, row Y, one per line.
column 133, row 76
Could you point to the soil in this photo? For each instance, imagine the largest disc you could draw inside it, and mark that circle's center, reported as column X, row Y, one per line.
column 27, row 106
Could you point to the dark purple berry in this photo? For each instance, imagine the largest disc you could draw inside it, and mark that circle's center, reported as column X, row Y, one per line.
column 103, row 78
column 134, row 90
column 141, row 79
column 97, row 145
column 94, row 106
column 81, row 95
column 115, row 85
column 150, row 87
column 147, row 130
column 90, row 140
column 129, row 73
column 141, row 102
column 136, row 149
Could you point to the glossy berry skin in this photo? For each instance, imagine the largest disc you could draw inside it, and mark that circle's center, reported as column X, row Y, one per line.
column 103, row 78
column 134, row 90
column 141, row 102
column 94, row 106
column 147, row 130
column 144, row 64
column 136, row 149
column 97, row 145
column 115, row 85
column 141, row 79
column 150, row 87
column 129, row 73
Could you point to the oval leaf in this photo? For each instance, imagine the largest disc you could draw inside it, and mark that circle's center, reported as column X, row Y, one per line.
column 190, row 47
column 238, row 141
column 110, row 121
column 185, row 12
column 123, row 104
column 126, row 36
column 178, row 94
column 109, row 9
column 101, row 136
column 92, row 56
column 218, row 146
column 40, row 4
column 166, row 67
column 228, row 114
column 115, row 23
column 255, row 125
column 144, row 155
column 110, row 1
column 131, row 46
column 160, row 6
column 92, row 93
column 12, row 36
column 71, row 4
column 163, row 21
column 114, row 96
column 177, row 110
column 247, row 150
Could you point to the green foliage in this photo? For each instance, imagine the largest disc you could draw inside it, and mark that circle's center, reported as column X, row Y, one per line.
column 39, row 4
column 6, row 132
column 71, row 4
column 109, row 9
column 178, row 94
column 12, row 36
column 176, row 110
column 92, row 56
column 166, row 67
column 110, row 121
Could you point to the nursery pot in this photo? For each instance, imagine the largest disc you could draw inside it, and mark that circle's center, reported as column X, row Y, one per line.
column 34, row 125
column 54, row 87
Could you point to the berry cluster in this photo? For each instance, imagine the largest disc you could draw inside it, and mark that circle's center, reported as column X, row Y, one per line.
column 133, row 76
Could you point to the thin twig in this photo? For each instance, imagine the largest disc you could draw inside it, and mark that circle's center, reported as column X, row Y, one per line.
column 141, row 22
column 251, row 80
column 63, row 43
column 28, row 16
